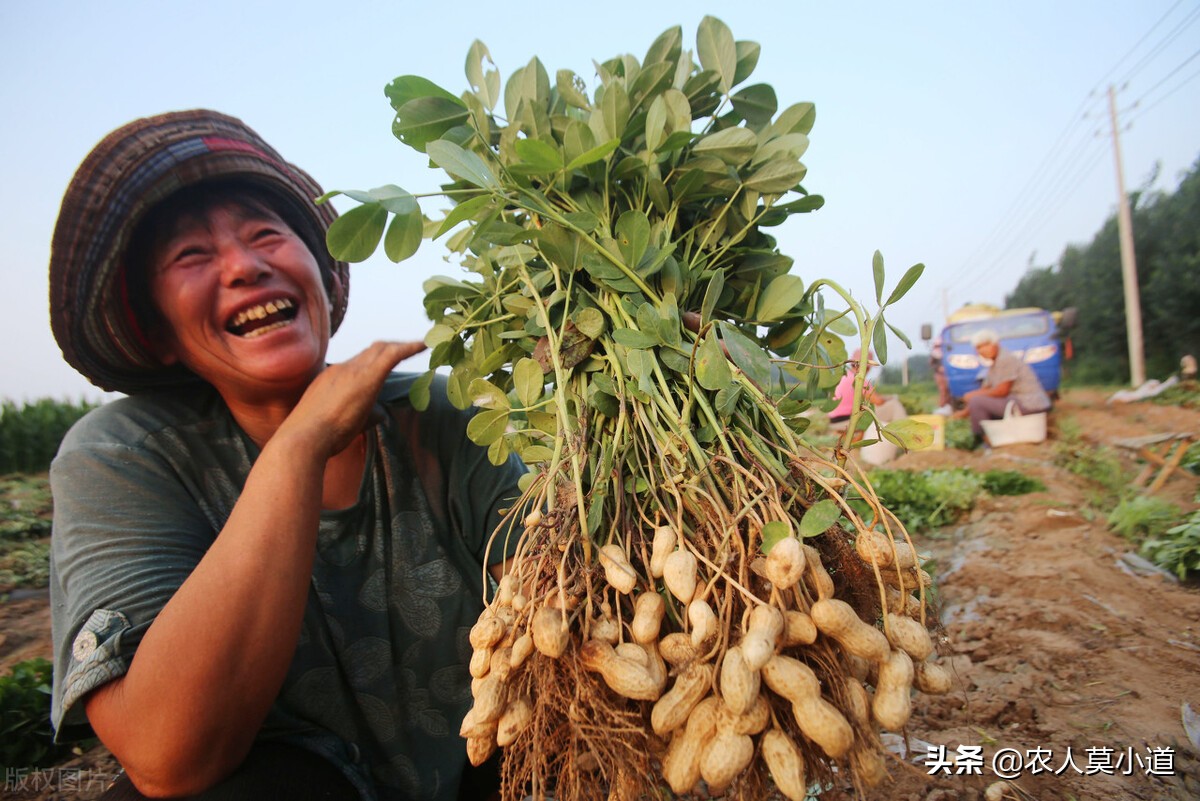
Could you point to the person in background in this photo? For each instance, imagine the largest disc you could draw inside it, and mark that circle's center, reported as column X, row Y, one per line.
column 264, row 567
column 886, row 408
column 1008, row 379
column 936, row 356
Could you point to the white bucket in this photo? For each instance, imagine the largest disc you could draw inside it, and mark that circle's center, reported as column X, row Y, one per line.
column 1015, row 427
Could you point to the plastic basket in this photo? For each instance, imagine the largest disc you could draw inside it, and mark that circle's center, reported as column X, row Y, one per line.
column 1015, row 427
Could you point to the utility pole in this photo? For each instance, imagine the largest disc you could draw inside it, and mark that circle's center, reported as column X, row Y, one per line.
column 1133, row 306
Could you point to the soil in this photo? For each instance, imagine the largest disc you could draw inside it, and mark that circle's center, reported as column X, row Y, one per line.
column 1057, row 638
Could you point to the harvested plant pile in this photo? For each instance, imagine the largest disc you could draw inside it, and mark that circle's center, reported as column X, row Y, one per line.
column 691, row 600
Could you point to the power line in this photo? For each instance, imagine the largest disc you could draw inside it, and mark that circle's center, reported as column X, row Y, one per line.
column 1136, row 45
column 1162, row 45
column 1014, row 227
column 1006, row 219
column 1143, row 111
column 1015, row 224
column 1051, row 203
column 1164, row 79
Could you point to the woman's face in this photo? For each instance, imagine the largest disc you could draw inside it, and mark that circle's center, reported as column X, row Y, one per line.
column 243, row 302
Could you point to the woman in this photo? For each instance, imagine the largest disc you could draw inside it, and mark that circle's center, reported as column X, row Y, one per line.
column 264, row 567
column 886, row 409
column 1008, row 379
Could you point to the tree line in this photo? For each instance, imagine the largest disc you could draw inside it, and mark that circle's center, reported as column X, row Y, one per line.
column 1166, row 233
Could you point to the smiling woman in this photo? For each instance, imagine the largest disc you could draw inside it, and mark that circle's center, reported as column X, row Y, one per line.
column 263, row 566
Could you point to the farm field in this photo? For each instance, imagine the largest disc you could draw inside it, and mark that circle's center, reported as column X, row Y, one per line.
column 1056, row 636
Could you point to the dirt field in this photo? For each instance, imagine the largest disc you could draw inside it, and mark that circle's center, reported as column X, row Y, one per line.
column 1057, row 642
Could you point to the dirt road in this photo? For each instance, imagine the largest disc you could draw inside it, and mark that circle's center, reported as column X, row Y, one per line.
column 1056, row 640
column 1058, row 644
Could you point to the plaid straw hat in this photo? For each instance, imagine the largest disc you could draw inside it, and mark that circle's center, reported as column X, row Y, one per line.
column 127, row 173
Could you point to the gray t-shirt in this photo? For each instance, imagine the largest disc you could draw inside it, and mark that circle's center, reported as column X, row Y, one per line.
column 379, row 681
column 1026, row 389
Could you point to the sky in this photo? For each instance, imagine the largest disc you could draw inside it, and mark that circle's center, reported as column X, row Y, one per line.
column 971, row 137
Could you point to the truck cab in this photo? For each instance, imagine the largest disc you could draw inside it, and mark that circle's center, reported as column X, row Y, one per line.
column 1035, row 335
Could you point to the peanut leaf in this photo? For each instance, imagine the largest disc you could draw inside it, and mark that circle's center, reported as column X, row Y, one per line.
column 354, row 235
column 819, row 517
column 462, row 164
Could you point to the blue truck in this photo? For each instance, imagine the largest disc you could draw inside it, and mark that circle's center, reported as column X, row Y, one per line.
column 1036, row 335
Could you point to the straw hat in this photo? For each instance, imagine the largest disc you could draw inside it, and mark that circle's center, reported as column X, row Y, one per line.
column 127, row 173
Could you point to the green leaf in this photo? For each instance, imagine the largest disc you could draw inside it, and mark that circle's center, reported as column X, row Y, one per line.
column 650, row 82
column 906, row 283
column 779, row 297
column 438, row 334
column 590, row 322
column 571, row 89
column 747, row 60
column 487, row 426
column 776, row 176
column 633, row 339
column 354, row 235
column 879, row 341
column 538, row 157
column 667, row 47
column 463, row 211
column 486, row 84
column 877, row 269
column 403, row 236
column 418, row 393
column 773, row 533
column 633, row 234
column 498, row 451
column 668, row 321
column 797, row 118
column 614, row 108
column 545, row 422
column 747, row 354
column 515, row 255
column 425, row 119
column 909, row 433
column 412, row 87
column 595, row 154
column 712, row 368
column 803, row 205
column 717, row 51
column 712, row 294
column 530, row 84
column 529, row 381
column 585, row 221
column 486, row 395
column 900, row 334
column 734, row 146
column 757, row 103
column 791, row 146
column 606, row 404
column 458, row 385
column 463, row 164
column 819, row 517
column 727, row 400
column 390, row 196
column 533, row 454
column 676, row 141
column 841, row 324
column 641, row 366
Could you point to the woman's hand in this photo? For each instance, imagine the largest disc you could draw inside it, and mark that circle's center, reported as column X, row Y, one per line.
column 338, row 404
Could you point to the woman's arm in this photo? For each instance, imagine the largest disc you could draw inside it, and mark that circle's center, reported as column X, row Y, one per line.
column 212, row 662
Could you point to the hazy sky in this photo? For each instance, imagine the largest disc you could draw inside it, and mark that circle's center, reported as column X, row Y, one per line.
column 965, row 135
